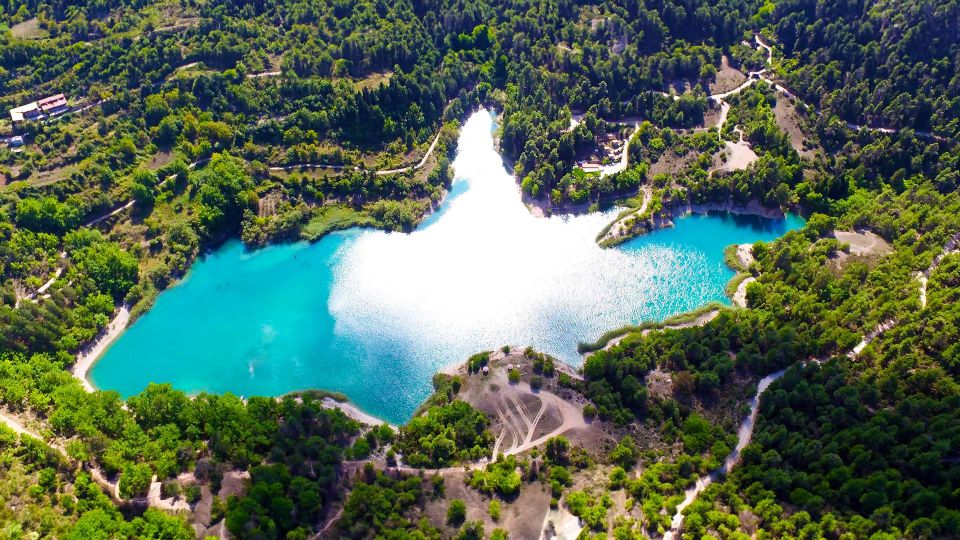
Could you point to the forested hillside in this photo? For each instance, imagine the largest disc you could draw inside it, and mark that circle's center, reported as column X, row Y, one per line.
column 189, row 123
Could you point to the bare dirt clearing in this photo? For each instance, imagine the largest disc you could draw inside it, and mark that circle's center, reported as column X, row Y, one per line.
column 863, row 242
column 523, row 418
column 789, row 121
column 865, row 245
column 522, row 516
column 672, row 164
column 28, row 29
column 727, row 78
column 739, row 156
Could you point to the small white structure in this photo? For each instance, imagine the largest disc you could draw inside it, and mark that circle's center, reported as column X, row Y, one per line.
column 486, row 369
column 30, row 111
column 16, row 141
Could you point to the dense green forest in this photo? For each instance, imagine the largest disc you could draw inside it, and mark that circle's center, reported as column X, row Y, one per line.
column 191, row 122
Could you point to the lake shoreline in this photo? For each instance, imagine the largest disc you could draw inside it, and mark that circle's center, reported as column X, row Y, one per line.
column 89, row 355
column 676, row 210
column 250, row 359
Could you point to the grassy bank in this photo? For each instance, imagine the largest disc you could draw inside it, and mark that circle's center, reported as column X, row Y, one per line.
column 333, row 218
column 734, row 283
column 731, row 258
column 676, row 320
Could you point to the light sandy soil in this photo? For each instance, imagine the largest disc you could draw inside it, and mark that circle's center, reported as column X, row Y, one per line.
column 28, row 29
column 89, row 354
column 560, row 524
column 624, row 158
column 722, row 118
column 745, row 254
column 923, row 289
column 233, row 483
column 354, row 412
column 740, row 297
column 872, row 335
column 863, row 244
column 739, row 156
column 659, row 383
column 156, row 500
column 521, row 516
column 522, row 418
column 671, row 163
column 264, row 74
column 16, row 426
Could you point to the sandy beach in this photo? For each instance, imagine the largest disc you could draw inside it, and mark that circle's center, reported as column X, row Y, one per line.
column 89, row 355
column 740, row 297
column 354, row 412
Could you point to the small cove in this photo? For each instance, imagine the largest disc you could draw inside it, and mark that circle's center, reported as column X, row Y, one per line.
column 374, row 315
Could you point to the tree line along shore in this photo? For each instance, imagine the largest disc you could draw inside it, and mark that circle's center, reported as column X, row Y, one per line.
column 203, row 109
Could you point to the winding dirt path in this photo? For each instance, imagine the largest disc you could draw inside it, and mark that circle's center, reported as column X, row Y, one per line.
column 110, row 488
column 624, row 161
column 745, row 432
column 422, row 162
column 264, row 74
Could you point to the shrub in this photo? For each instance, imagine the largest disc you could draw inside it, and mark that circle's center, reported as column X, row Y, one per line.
column 625, row 453
column 192, row 494
column 560, row 478
column 618, row 477
column 594, row 515
column 536, row 383
column 589, row 412
column 494, row 510
column 557, row 450
column 477, row 361
column 360, row 449
column 456, row 512
column 170, row 488
column 514, row 376
column 500, row 477
column 472, row 530
column 447, row 433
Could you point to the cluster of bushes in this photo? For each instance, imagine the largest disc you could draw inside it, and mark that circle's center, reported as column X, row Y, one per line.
column 445, row 434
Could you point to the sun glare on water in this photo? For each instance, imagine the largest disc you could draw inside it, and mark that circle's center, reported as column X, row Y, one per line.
column 489, row 271
column 374, row 314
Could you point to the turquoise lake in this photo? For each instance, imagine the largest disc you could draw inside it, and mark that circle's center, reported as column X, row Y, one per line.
column 374, row 315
